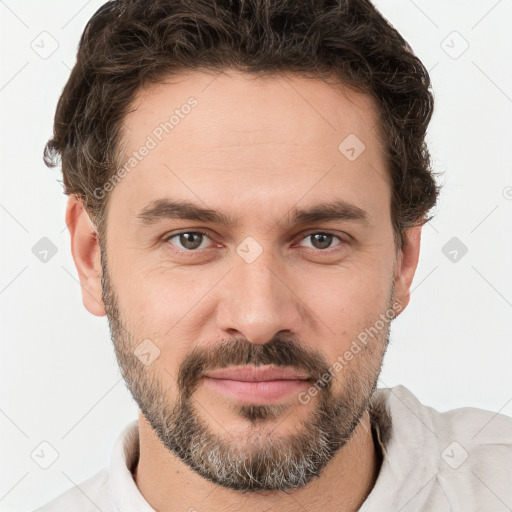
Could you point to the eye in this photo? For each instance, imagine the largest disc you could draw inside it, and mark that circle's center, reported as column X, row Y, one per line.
column 189, row 240
column 192, row 241
column 322, row 240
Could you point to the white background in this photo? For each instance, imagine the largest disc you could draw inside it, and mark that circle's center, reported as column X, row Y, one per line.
column 452, row 347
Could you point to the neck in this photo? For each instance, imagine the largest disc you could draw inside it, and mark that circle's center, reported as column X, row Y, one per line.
column 169, row 485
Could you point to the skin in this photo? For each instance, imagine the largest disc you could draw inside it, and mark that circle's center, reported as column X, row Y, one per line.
column 254, row 149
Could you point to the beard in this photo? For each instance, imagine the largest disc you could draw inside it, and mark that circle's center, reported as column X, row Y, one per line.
column 262, row 461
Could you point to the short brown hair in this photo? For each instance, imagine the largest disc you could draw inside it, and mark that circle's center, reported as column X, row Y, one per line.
column 131, row 43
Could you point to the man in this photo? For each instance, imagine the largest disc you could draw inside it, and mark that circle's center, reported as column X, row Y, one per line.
column 248, row 182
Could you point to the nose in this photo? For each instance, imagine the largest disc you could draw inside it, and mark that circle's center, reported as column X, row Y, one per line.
column 258, row 300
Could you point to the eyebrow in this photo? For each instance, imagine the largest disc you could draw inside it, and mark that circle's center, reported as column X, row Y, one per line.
column 167, row 209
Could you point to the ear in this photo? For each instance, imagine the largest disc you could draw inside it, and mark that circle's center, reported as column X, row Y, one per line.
column 86, row 254
column 405, row 268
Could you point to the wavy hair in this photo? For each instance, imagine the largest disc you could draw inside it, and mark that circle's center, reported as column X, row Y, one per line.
column 128, row 44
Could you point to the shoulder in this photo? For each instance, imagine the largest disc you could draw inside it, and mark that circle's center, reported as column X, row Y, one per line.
column 476, row 442
column 90, row 495
column 479, row 432
column 464, row 454
column 469, row 434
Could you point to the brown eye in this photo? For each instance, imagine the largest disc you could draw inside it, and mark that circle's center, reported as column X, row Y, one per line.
column 188, row 240
column 322, row 241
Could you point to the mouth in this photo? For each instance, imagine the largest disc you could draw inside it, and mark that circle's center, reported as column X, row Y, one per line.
column 251, row 384
column 257, row 374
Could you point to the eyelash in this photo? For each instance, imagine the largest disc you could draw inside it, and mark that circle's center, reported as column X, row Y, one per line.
column 192, row 251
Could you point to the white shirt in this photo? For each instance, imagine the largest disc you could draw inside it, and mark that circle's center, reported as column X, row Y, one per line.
column 459, row 460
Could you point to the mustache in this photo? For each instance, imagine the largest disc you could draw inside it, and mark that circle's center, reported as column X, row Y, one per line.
column 236, row 352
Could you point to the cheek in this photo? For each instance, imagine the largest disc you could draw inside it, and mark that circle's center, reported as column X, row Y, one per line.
column 349, row 294
column 169, row 307
column 345, row 306
column 156, row 309
column 149, row 301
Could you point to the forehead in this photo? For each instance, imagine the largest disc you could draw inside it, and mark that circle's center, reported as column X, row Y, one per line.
column 301, row 110
column 250, row 140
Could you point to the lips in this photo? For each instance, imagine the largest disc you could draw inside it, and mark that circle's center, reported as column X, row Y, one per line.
column 257, row 374
column 257, row 385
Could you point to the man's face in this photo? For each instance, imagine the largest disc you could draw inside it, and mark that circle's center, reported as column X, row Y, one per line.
column 264, row 290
